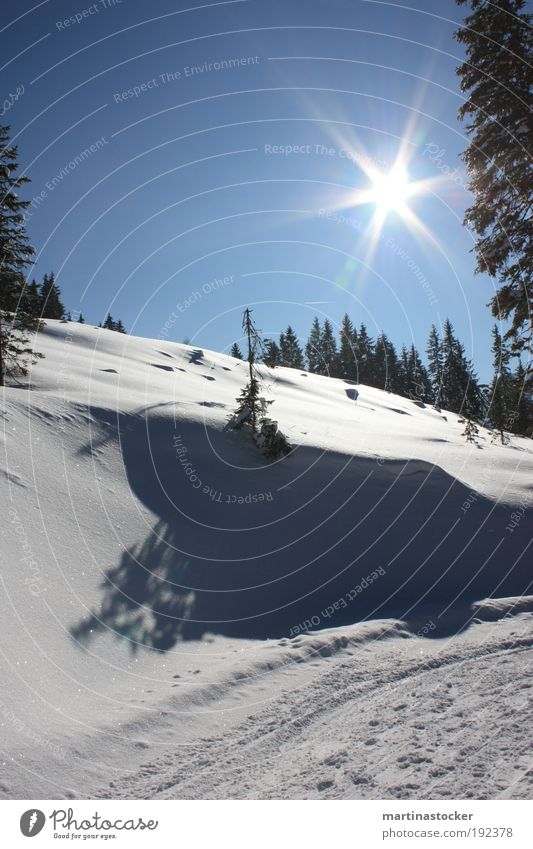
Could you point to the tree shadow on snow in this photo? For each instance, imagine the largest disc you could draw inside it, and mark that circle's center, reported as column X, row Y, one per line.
column 249, row 549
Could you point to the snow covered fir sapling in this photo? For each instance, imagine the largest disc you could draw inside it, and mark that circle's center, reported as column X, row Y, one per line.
column 252, row 409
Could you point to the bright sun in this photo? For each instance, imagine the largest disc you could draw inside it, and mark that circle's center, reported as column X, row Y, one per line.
column 390, row 191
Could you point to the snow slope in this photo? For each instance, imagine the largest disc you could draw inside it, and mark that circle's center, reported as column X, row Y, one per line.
column 136, row 519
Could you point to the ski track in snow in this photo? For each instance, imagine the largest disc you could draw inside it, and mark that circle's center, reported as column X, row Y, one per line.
column 449, row 723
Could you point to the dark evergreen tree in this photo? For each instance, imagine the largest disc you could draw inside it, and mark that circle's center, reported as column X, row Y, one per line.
column 328, row 350
column 364, row 351
column 272, row 355
column 251, row 405
column 109, row 323
column 471, row 430
column 81, row 319
column 522, row 421
column 403, row 373
column 51, row 305
column 454, row 371
column 119, row 327
column 290, row 352
column 497, row 79
column 16, row 323
column 313, row 349
column 236, row 352
column 420, row 385
column 434, row 355
column 385, row 365
column 347, row 352
column 502, row 391
column 30, row 301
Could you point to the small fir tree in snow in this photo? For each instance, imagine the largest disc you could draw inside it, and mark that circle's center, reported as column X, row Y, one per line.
column 252, row 406
column 471, row 431
column 236, row 352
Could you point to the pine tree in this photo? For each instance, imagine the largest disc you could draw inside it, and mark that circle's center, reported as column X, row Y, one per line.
column 454, row 371
column 461, row 392
column 290, row 352
column 385, row 365
column 236, row 352
column 109, row 323
column 81, row 319
column 404, row 373
column 16, row 254
column 434, row 355
column 51, row 305
column 272, row 355
column 313, row 349
column 119, row 327
column 347, row 360
column 364, row 350
column 328, row 350
column 502, row 393
column 420, row 384
column 30, row 301
column 522, row 420
column 496, row 77
column 251, row 405
column 471, row 430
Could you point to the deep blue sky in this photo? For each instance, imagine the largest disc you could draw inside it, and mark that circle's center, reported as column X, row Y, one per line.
column 181, row 187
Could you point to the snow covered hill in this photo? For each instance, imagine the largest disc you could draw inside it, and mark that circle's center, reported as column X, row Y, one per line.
column 169, row 597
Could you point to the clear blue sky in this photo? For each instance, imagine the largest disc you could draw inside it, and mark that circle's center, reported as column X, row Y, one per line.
column 187, row 180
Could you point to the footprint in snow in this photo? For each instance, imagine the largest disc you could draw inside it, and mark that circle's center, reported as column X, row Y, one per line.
column 109, row 370
column 164, row 368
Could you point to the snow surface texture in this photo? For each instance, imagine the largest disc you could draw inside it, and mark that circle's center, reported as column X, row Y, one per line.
column 181, row 618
